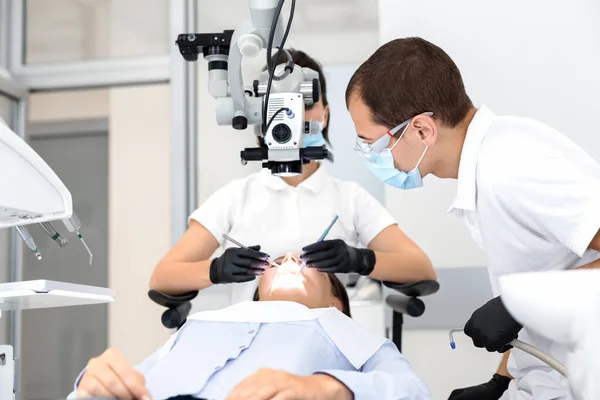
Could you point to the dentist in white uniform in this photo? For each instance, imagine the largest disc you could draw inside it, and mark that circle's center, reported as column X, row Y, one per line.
column 529, row 196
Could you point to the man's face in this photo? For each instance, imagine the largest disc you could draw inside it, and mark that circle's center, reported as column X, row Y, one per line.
column 406, row 153
column 309, row 287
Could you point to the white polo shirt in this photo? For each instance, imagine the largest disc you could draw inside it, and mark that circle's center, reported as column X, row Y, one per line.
column 263, row 209
column 531, row 199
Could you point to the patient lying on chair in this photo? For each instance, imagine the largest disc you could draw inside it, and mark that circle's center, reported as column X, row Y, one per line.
column 296, row 342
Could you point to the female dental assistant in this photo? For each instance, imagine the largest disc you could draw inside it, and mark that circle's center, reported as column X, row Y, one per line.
column 289, row 213
column 529, row 196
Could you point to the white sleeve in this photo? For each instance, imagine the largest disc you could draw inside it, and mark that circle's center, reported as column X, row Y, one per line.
column 370, row 216
column 558, row 197
column 215, row 213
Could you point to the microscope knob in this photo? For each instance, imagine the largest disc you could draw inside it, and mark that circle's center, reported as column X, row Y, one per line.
column 250, row 45
column 240, row 122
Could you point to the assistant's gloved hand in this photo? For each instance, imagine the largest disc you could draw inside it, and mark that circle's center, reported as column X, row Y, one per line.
column 492, row 327
column 491, row 390
column 337, row 256
column 238, row 265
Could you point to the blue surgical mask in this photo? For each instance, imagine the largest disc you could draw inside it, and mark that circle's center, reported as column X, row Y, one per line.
column 382, row 165
column 316, row 139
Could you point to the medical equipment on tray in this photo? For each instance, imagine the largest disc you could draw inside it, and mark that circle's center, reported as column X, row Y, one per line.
column 246, row 247
column 276, row 101
column 32, row 193
column 527, row 348
column 26, row 236
column 323, row 236
column 54, row 235
column 562, row 306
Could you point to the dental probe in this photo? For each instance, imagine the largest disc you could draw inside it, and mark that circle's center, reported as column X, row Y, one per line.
column 248, row 248
column 323, row 236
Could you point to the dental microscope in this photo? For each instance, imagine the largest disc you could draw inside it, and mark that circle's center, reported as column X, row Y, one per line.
column 274, row 103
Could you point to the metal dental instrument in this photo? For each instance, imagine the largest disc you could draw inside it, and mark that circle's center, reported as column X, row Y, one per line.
column 54, row 235
column 238, row 244
column 323, row 236
column 86, row 246
column 28, row 239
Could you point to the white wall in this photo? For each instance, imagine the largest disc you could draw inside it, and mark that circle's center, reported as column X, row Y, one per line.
column 140, row 213
column 349, row 164
column 537, row 59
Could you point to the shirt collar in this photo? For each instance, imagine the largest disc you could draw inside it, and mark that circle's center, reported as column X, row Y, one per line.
column 343, row 331
column 466, row 192
column 313, row 183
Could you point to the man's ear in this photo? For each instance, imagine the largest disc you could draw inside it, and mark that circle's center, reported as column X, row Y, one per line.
column 426, row 129
column 326, row 116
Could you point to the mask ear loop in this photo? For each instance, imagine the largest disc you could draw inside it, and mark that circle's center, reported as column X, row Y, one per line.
column 402, row 134
column 426, row 147
column 421, row 159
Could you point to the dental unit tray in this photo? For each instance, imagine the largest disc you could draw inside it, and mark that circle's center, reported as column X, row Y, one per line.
column 47, row 294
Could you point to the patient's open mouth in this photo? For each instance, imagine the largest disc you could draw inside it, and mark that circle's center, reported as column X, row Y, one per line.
column 287, row 277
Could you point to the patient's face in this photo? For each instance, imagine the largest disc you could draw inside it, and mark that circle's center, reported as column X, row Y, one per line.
column 310, row 287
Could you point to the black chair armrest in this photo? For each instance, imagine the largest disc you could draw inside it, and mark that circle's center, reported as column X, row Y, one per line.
column 405, row 305
column 179, row 307
column 415, row 289
column 408, row 302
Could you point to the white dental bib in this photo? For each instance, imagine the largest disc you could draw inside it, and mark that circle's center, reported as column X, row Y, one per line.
column 355, row 342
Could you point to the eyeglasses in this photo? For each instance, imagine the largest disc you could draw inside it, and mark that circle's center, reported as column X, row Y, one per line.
column 374, row 149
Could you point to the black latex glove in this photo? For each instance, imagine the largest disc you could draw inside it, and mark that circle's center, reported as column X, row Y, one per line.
column 238, row 265
column 336, row 256
column 491, row 390
column 492, row 327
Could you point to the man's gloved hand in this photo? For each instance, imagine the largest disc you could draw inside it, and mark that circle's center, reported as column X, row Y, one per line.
column 238, row 265
column 491, row 390
column 492, row 327
column 336, row 256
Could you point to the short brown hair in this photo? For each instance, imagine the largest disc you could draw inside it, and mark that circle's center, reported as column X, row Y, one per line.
column 337, row 289
column 407, row 77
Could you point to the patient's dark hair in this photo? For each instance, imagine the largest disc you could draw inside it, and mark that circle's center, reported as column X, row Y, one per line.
column 337, row 289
